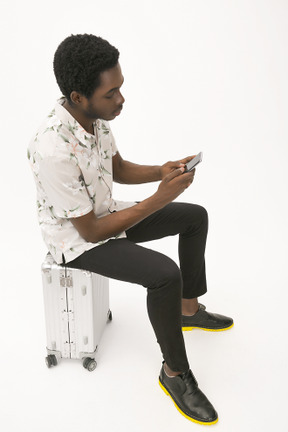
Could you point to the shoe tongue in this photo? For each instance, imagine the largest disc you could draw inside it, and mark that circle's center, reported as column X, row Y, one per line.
column 188, row 376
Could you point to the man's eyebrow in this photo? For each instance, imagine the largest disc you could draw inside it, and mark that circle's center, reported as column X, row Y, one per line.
column 115, row 88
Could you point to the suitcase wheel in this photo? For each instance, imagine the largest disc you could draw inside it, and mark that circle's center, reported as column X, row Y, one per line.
column 109, row 315
column 51, row 360
column 89, row 364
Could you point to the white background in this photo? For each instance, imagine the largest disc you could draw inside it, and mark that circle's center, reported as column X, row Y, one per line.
column 199, row 75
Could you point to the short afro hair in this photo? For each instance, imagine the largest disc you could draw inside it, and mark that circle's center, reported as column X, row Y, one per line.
column 79, row 61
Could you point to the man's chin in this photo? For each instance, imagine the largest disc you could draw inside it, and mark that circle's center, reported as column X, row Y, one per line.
column 109, row 118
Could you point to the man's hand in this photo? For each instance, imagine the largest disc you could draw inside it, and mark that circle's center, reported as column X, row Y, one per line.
column 168, row 167
column 174, row 185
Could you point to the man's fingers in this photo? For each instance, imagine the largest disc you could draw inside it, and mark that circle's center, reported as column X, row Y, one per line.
column 190, row 177
column 175, row 173
column 176, row 164
column 186, row 177
column 187, row 159
column 190, row 173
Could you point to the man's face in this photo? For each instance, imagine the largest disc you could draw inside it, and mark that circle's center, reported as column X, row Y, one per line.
column 107, row 101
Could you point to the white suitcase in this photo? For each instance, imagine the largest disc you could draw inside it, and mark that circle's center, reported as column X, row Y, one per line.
column 76, row 312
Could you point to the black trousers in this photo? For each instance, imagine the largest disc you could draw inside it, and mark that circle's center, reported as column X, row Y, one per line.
column 166, row 283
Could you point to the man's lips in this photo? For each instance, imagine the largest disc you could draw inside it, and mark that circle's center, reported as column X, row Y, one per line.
column 118, row 111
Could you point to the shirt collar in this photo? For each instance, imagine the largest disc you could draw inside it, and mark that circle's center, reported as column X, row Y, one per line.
column 72, row 125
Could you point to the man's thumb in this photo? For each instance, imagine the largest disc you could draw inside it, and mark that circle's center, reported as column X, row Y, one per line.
column 174, row 173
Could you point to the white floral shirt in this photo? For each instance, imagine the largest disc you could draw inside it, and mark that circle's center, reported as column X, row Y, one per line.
column 73, row 174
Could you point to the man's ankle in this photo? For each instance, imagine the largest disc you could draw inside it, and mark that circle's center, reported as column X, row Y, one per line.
column 190, row 307
column 169, row 372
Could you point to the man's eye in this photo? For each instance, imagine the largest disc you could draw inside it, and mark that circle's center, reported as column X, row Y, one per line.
column 110, row 96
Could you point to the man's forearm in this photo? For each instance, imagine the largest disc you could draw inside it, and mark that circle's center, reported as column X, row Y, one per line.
column 94, row 229
column 132, row 173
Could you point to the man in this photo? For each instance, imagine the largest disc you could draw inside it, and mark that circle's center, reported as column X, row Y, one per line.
column 75, row 161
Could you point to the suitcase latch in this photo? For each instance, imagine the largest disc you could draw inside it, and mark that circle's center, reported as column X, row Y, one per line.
column 66, row 279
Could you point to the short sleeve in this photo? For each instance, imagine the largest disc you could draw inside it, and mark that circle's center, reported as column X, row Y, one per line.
column 64, row 187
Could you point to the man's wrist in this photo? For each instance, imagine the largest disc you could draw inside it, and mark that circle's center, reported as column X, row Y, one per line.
column 159, row 172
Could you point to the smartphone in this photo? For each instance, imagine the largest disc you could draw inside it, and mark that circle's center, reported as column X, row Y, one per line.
column 195, row 161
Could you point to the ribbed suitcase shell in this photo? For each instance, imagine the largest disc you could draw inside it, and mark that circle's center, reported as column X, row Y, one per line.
column 76, row 306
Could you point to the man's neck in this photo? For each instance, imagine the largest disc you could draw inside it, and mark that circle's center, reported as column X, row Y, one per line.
column 83, row 121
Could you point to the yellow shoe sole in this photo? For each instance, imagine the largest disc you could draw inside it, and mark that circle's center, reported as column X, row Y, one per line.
column 206, row 329
column 181, row 412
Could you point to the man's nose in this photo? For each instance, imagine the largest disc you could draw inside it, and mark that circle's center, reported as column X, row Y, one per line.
column 120, row 99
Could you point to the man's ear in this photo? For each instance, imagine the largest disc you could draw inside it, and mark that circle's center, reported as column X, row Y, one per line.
column 76, row 97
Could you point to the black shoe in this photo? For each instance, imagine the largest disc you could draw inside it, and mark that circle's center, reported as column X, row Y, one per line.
column 188, row 398
column 206, row 321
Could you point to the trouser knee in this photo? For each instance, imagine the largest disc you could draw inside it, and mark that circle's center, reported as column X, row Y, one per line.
column 196, row 218
column 199, row 213
column 203, row 215
column 167, row 278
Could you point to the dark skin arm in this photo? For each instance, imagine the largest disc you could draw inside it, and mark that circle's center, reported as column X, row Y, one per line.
column 130, row 173
column 94, row 229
